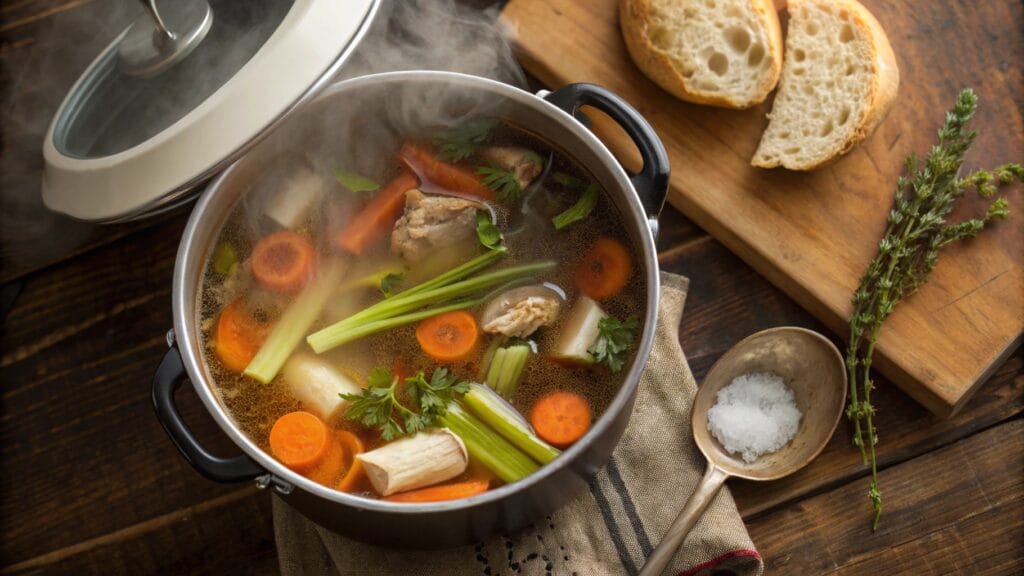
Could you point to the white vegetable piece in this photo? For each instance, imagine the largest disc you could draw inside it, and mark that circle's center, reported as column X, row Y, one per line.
column 316, row 384
column 290, row 206
column 414, row 462
column 579, row 333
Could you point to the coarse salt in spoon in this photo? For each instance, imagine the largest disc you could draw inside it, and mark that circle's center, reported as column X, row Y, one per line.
column 811, row 366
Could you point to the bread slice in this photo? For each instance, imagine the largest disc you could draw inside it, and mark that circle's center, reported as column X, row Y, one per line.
column 838, row 82
column 720, row 52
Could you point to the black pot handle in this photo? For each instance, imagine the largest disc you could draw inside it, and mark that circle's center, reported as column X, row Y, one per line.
column 651, row 183
column 169, row 377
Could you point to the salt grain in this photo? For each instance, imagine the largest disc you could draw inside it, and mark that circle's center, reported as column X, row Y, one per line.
column 754, row 415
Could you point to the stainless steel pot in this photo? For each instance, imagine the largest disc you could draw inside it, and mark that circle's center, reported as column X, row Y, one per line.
column 554, row 116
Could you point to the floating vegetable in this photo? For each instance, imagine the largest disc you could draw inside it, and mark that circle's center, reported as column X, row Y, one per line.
column 506, row 369
column 355, row 182
column 561, row 418
column 376, row 218
column 420, row 460
column 614, row 340
column 446, row 176
column 376, row 405
column 283, row 261
column 299, row 440
column 487, row 446
column 237, row 337
column 486, row 231
column 317, row 385
column 604, row 269
column 578, row 211
column 502, row 417
column 442, row 492
column 448, row 337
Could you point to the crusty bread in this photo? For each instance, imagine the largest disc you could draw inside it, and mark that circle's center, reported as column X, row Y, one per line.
column 838, row 82
column 719, row 52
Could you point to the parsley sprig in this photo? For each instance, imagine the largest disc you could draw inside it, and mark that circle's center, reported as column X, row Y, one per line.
column 461, row 140
column 378, row 404
column 503, row 182
column 614, row 341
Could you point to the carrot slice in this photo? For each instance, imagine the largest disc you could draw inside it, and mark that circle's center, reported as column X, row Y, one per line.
column 451, row 177
column 237, row 337
column 283, row 261
column 452, row 491
column 299, row 440
column 604, row 270
column 448, row 337
column 561, row 418
column 377, row 217
column 329, row 469
column 353, row 445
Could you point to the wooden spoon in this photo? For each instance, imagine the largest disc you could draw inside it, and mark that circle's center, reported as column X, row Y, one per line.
column 812, row 368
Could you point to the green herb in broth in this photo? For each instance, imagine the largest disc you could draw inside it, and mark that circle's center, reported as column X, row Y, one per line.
column 488, row 234
column 502, row 181
column 578, row 211
column 462, row 140
column 567, row 180
column 355, row 182
column 389, row 282
column 224, row 258
column 614, row 342
column 376, row 405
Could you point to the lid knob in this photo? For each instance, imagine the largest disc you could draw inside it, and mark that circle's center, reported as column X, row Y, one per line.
column 157, row 40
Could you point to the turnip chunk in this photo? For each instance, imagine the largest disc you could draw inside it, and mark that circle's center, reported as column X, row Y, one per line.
column 578, row 333
column 290, row 206
column 414, row 462
column 316, row 384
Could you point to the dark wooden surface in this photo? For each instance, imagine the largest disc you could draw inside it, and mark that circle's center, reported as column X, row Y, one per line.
column 89, row 483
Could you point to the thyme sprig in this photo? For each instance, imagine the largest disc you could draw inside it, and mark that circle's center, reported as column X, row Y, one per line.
column 916, row 230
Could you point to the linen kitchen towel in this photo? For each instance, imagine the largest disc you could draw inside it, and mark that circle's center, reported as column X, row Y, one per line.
column 607, row 530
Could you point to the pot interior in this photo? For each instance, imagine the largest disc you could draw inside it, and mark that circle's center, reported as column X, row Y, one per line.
column 355, row 120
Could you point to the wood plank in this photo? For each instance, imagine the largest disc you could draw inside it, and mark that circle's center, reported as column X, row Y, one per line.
column 972, row 491
column 81, row 443
column 187, row 541
column 728, row 301
column 813, row 234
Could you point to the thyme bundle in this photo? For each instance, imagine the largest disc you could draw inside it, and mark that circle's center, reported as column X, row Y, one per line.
column 916, row 231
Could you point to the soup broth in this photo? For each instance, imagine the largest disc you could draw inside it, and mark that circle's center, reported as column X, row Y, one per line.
column 553, row 341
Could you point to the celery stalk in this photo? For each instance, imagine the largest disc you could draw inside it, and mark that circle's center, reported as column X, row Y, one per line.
column 494, row 371
column 326, row 338
column 506, row 369
column 322, row 344
column 491, row 449
column 499, row 415
column 480, row 262
column 295, row 322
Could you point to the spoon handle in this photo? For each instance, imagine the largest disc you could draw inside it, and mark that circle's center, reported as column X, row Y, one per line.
column 695, row 506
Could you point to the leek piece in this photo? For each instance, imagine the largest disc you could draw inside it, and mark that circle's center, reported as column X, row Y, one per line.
column 507, row 369
column 578, row 211
column 487, row 446
column 322, row 344
column 295, row 322
column 499, row 415
column 334, row 334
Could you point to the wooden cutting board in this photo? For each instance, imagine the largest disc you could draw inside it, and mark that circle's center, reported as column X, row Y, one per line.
column 812, row 235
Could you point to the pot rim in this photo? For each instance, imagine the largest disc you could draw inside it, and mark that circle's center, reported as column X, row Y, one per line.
column 190, row 255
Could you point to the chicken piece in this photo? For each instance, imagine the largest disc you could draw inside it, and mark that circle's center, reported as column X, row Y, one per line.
column 430, row 223
column 519, row 312
column 525, row 163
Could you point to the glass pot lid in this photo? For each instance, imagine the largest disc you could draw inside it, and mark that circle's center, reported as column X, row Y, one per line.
column 183, row 92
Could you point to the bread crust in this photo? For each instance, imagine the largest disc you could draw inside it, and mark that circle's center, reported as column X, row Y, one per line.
column 659, row 66
column 881, row 95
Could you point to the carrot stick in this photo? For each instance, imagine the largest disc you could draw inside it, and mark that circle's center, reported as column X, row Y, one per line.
column 450, row 177
column 448, row 337
column 442, row 492
column 604, row 270
column 299, row 440
column 561, row 418
column 237, row 337
column 283, row 261
column 377, row 217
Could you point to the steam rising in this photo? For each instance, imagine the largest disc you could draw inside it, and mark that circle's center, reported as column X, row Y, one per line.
column 420, row 34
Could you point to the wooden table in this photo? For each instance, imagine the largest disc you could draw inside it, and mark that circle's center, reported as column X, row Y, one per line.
column 89, row 483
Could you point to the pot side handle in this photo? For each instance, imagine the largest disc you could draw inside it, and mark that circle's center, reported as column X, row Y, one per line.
column 651, row 183
column 169, row 376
